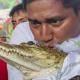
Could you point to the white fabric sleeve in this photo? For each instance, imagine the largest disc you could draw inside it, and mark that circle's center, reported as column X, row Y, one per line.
column 13, row 73
column 22, row 33
column 71, row 66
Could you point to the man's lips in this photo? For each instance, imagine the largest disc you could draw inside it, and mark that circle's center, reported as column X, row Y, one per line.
column 48, row 43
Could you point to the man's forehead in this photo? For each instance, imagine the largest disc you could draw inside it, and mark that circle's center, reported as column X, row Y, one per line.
column 45, row 8
column 30, row 1
column 40, row 3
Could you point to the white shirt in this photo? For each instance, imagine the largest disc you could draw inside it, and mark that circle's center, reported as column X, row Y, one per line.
column 22, row 33
column 71, row 65
column 71, row 68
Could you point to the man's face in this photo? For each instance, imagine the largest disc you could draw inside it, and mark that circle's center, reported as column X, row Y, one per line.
column 19, row 17
column 51, row 23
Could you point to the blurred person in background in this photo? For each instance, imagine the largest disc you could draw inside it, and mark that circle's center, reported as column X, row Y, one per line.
column 2, row 33
column 18, row 15
column 2, row 36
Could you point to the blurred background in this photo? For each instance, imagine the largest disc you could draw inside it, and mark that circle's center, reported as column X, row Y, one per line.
column 6, row 27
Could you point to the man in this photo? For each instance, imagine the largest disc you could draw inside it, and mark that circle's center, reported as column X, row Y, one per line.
column 56, row 23
column 18, row 15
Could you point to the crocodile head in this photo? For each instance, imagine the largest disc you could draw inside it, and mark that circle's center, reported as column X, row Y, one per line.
column 37, row 60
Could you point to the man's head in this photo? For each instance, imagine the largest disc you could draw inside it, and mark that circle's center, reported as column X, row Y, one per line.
column 54, row 21
column 18, row 14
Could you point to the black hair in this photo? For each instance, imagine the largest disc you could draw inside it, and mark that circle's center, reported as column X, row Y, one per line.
column 24, row 2
column 75, row 4
column 16, row 8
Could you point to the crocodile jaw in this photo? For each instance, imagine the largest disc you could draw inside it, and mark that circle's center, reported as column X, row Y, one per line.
column 32, row 62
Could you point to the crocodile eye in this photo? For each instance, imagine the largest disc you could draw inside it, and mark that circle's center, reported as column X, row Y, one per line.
column 30, row 43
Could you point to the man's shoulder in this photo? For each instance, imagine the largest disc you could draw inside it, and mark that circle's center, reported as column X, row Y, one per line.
column 22, row 25
column 71, row 66
column 22, row 28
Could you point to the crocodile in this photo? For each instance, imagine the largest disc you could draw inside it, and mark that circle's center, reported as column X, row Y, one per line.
column 32, row 60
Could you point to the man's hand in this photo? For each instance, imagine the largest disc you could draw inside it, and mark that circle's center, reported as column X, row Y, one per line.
column 75, row 78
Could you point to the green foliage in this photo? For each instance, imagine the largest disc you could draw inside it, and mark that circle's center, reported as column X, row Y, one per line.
column 8, row 3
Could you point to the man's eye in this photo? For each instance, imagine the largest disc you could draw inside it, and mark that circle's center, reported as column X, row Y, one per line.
column 56, row 21
column 34, row 23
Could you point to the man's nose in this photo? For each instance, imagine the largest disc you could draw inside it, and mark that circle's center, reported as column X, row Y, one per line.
column 46, row 32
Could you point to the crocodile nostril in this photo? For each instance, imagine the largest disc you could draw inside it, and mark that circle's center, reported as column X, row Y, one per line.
column 30, row 43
